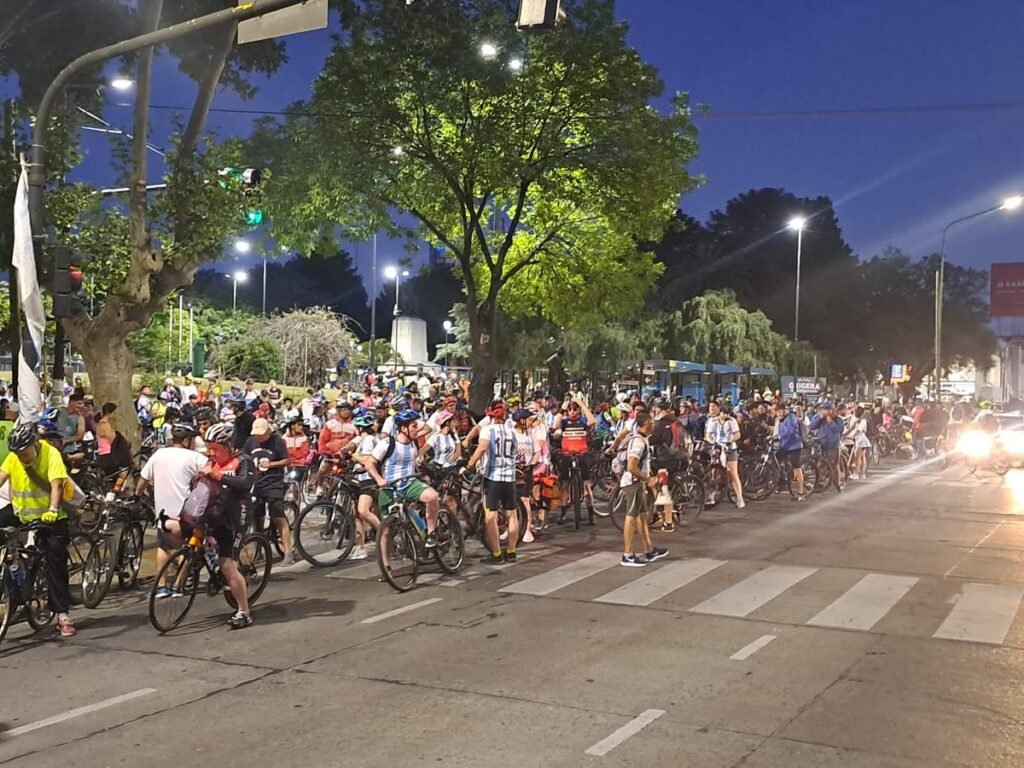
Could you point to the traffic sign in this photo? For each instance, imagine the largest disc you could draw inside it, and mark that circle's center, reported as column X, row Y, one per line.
column 310, row 15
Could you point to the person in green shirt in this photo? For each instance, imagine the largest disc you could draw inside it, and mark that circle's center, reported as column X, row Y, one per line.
column 38, row 485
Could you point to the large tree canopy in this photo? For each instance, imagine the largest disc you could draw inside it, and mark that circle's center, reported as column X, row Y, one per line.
column 538, row 170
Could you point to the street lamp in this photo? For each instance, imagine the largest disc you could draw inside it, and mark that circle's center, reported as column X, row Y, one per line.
column 238, row 276
column 243, row 246
column 1009, row 204
column 515, row 64
column 488, row 50
column 447, row 325
column 392, row 273
column 122, row 83
column 797, row 223
column 398, row 151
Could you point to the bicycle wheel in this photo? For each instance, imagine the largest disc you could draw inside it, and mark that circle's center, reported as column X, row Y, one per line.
column 291, row 514
column 180, row 572
column 1000, row 464
column 822, row 474
column 688, row 496
column 98, row 572
column 6, row 609
column 132, row 545
column 78, row 550
column 396, row 554
column 324, row 534
column 451, row 548
column 603, row 487
column 577, row 498
column 810, row 472
column 718, row 482
column 754, row 478
column 254, row 560
column 37, row 607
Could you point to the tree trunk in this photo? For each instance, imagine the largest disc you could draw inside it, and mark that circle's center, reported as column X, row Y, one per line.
column 110, row 365
column 483, row 355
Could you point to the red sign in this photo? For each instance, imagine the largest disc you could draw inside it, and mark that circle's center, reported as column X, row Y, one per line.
column 1007, row 293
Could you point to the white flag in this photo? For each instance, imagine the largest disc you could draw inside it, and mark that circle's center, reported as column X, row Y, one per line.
column 30, row 396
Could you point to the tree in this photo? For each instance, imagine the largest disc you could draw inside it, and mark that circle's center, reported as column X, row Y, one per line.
column 311, row 342
column 259, row 359
column 538, row 181
column 215, row 327
column 152, row 246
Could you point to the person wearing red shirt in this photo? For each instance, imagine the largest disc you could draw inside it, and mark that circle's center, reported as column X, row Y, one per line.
column 574, row 430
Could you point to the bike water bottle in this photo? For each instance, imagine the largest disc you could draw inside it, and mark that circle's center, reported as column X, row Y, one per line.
column 18, row 573
column 210, row 550
column 418, row 521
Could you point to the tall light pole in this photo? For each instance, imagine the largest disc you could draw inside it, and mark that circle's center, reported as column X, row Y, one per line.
column 392, row 273
column 238, row 276
column 1009, row 204
column 373, row 308
column 447, row 334
column 797, row 223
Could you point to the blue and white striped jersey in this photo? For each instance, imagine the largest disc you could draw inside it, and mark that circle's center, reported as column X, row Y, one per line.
column 401, row 465
column 502, row 445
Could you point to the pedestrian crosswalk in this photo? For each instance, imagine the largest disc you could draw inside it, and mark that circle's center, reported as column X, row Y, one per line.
column 831, row 598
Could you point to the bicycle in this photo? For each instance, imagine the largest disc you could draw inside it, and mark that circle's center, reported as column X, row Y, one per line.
column 324, row 533
column 688, row 493
column 183, row 570
column 764, row 475
column 23, row 585
column 401, row 543
column 117, row 548
column 575, row 487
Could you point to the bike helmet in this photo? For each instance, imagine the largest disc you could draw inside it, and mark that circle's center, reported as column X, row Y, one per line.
column 365, row 420
column 48, row 430
column 522, row 415
column 23, row 436
column 220, row 433
column 442, row 418
column 182, row 431
column 496, row 410
column 400, row 404
column 50, row 414
column 204, row 413
column 295, row 420
column 406, row 416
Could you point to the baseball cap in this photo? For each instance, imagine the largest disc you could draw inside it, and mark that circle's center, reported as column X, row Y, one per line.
column 260, row 427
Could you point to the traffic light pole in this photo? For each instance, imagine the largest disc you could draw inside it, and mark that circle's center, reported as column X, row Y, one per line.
column 37, row 168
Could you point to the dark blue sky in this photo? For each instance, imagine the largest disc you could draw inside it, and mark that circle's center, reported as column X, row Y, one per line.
column 896, row 178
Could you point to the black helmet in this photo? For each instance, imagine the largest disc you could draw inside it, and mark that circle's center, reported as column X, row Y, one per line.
column 182, row 431
column 22, row 437
column 204, row 413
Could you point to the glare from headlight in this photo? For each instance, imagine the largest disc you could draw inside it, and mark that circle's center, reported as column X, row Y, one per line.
column 1012, row 442
column 976, row 444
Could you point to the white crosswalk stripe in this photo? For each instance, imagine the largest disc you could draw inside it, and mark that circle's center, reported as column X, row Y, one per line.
column 564, row 575
column 754, row 591
column 865, row 603
column 656, row 583
column 983, row 614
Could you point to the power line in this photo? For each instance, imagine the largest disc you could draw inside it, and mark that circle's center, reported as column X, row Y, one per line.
column 895, row 111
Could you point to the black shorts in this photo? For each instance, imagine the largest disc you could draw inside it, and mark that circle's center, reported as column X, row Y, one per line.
column 499, row 495
column 524, row 482
column 369, row 488
column 228, row 541
column 790, row 457
column 274, row 505
column 565, row 462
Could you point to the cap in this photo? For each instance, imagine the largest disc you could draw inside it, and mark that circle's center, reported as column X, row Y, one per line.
column 260, row 427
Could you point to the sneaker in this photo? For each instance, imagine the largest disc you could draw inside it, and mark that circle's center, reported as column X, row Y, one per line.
column 161, row 592
column 656, row 554
column 286, row 561
column 503, row 536
column 66, row 627
column 431, row 541
column 175, row 592
column 510, row 557
column 633, row 561
column 741, row 504
column 240, row 620
column 492, row 559
column 665, row 528
column 528, row 536
column 359, row 553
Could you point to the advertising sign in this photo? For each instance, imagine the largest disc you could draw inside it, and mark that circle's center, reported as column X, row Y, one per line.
column 1007, row 290
column 899, row 372
column 806, row 386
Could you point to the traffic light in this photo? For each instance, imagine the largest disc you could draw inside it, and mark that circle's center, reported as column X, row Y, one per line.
column 249, row 181
column 540, row 14
column 68, row 276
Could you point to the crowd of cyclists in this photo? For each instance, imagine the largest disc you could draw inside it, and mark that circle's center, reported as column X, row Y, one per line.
column 215, row 465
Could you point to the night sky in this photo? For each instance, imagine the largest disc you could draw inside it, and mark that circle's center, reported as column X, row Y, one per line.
column 896, row 177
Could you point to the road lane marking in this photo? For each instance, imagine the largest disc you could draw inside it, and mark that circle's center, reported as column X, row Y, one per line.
column 564, row 575
column 656, row 583
column 971, row 551
column 754, row 591
column 631, row 728
column 749, row 650
column 454, row 580
column 983, row 614
column 403, row 609
column 865, row 603
column 78, row 712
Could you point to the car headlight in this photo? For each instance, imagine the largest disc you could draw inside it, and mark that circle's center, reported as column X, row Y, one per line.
column 1012, row 442
column 976, row 444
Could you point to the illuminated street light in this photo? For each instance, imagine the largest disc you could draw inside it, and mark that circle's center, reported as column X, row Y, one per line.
column 122, row 83
column 797, row 223
column 397, row 151
column 1012, row 203
column 243, row 246
column 488, row 50
column 516, row 64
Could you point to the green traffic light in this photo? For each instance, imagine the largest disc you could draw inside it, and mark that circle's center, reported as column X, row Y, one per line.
column 254, row 218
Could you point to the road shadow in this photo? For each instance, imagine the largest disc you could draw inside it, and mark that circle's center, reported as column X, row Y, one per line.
column 296, row 608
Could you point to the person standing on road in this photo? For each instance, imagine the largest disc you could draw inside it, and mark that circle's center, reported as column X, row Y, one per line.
column 634, row 485
column 270, row 455
column 790, row 445
column 723, row 430
column 830, row 434
column 170, row 471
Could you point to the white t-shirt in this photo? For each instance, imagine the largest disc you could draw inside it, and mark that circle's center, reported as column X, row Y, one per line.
column 187, row 390
column 171, row 471
column 638, row 448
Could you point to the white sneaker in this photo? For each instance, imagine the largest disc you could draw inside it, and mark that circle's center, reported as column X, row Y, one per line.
column 359, row 553
column 504, row 536
column 528, row 536
column 741, row 504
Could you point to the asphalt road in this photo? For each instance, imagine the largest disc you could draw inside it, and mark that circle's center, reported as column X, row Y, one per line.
column 877, row 628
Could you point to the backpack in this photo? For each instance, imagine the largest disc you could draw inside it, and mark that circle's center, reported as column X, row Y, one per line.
column 201, row 503
column 676, row 447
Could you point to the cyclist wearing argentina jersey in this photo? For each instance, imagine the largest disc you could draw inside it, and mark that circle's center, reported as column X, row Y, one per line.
column 499, row 443
column 392, row 464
